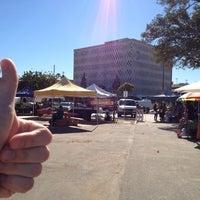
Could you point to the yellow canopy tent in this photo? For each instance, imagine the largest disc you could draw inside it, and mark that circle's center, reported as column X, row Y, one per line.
column 65, row 87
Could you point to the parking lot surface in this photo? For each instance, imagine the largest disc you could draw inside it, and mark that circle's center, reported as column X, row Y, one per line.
column 122, row 160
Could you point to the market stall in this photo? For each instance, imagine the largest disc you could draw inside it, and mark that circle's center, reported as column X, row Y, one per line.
column 190, row 122
column 104, row 100
column 65, row 88
column 192, row 95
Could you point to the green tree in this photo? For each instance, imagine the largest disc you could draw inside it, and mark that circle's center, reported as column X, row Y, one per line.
column 83, row 81
column 176, row 33
column 126, row 87
column 116, row 83
column 37, row 80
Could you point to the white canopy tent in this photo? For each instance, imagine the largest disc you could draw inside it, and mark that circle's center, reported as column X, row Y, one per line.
column 103, row 97
column 193, row 87
column 101, row 93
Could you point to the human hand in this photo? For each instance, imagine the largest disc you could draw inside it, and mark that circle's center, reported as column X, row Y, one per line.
column 8, row 87
column 23, row 144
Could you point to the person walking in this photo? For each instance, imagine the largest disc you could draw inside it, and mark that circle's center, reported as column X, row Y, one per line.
column 156, row 110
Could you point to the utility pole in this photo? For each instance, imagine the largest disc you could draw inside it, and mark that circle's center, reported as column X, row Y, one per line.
column 54, row 69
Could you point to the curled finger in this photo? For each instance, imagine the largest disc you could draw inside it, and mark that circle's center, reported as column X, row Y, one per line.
column 16, row 183
column 31, row 155
column 21, row 169
column 39, row 137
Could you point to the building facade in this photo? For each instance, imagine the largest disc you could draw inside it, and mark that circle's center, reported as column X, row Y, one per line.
column 124, row 60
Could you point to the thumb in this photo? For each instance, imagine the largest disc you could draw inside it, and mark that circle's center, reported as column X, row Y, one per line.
column 8, row 87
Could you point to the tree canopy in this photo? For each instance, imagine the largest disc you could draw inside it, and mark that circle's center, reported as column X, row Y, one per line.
column 126, row 87
column 176, row 33
column 37, row 80
column 116, row 84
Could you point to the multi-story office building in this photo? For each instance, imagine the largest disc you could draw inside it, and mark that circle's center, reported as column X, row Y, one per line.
column 125, row 60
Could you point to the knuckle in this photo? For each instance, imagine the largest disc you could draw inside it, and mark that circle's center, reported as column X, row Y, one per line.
column 36, row 170
column 26, row 185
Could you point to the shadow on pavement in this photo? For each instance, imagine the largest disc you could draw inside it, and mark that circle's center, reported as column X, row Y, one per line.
column 173, row 128
column 169, row 127
column 67, row 129
column 198, row 145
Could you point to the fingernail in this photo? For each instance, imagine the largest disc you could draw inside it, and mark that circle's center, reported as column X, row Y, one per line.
column 7, row 155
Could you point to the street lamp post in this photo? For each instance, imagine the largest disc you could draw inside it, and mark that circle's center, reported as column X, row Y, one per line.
column 163, row 77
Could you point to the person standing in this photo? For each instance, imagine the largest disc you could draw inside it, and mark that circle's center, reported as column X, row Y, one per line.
column 156, row 110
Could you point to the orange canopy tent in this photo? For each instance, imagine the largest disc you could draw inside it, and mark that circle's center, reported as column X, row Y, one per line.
column 63, row 88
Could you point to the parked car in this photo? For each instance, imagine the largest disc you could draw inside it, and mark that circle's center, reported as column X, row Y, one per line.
column 66, row 105
column 126, row 107
column 24, row 105
column 44, row 111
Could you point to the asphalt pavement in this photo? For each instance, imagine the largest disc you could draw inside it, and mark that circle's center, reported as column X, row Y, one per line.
column 124, row 160
column 161, row 166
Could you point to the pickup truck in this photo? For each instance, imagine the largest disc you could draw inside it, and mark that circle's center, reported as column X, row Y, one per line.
column 24, row 105
column 126, row 107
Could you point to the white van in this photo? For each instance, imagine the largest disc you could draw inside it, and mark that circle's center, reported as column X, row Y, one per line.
column 146, row 104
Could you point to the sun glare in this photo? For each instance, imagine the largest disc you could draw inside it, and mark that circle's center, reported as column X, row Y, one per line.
column 106, row 22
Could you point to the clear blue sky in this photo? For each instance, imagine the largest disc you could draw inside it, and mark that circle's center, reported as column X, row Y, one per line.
column 38, row 34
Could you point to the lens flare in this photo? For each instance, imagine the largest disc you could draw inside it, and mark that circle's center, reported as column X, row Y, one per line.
column 105, row 24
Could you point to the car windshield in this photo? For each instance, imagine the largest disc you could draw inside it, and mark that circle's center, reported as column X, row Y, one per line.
column 128, row 103
column 66, row 104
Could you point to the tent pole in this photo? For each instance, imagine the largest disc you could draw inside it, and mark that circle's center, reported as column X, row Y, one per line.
column 73, row 106
column 198, row 124
column 97, row 100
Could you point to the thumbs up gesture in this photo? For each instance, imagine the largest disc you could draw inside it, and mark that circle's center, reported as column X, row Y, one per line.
column 23, row 144
column 8, row 87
